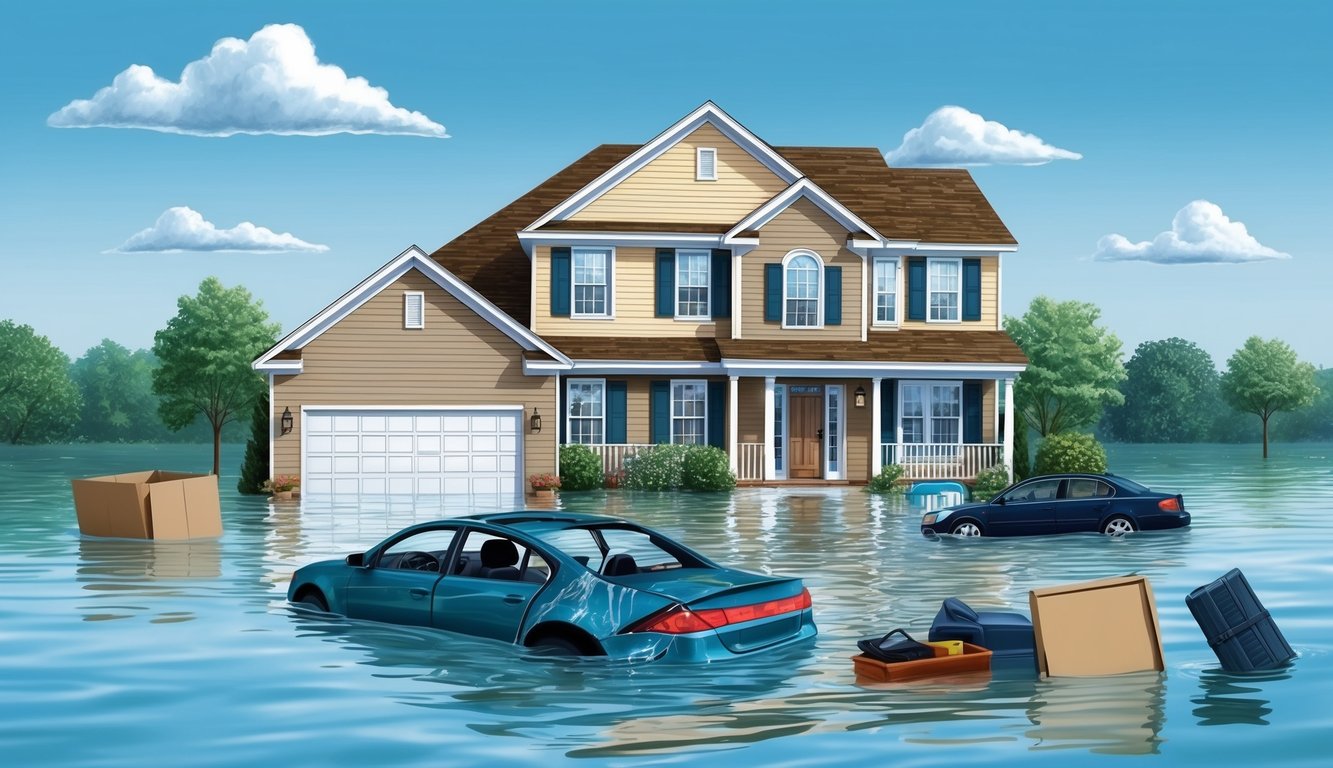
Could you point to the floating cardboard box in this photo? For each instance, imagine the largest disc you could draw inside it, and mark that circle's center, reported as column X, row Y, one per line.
column 1105, row 627
column 973, row 658
column 149, row 505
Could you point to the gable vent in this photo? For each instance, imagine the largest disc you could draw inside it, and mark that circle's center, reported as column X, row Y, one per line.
column 414, row 315
column 706, row 164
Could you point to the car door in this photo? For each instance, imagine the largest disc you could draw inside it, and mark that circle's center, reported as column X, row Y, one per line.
column 490, row 596
column 1082, row 504
column 1028, row 509
column 390, row 589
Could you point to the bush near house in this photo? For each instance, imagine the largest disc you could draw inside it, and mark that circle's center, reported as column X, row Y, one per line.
column 580, row 468
column 1070, row 452
column 887, row 480
column 707, row 468
column 990, row 482
column 673, row 467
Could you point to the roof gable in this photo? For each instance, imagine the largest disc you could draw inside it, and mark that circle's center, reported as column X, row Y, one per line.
column 805, row 189
column 412, row 258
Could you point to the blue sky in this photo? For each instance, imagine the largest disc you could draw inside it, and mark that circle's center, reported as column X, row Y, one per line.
column 1167, row 104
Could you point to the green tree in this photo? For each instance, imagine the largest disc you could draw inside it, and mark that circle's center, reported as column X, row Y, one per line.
column 1314, row 423
column 117, row 389
column 1170, row 394
column 205, row 353
column 1022, row 453
column 254, row 469
column 38, row 401
column 1264, row 377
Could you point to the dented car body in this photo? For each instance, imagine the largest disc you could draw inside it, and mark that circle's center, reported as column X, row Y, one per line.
column 562, row 583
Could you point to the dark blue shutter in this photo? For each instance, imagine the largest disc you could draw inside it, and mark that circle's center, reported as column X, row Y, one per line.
column 616, row 417
column 560, row 282
column 971, row 289
column 888, row 404
column 916, row 289
column 972, row 411
column 832, row 295
column 666, row 282
column 659, row 411
column 772, row 293
column 563, row 414
column 717, row 413
column 720, row 287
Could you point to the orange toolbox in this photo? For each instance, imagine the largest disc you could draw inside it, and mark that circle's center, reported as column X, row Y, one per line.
column 974, row 658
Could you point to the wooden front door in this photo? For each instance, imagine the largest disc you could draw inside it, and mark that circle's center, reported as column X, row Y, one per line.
column 807, row 420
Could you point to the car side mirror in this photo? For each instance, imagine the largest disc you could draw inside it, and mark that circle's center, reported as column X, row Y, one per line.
column 357, row 560
column 1000, row 501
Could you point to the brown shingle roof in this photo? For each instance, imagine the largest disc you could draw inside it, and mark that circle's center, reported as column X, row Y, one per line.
column 904, row 346
column 633, row 226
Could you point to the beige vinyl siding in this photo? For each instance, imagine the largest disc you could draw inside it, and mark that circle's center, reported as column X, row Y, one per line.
column 750, row 416
column 988, row 431
column 666, row 190
column 990, row 271
column 859, row 431
column 458, row 358
column 802, row 225
column 633, row 302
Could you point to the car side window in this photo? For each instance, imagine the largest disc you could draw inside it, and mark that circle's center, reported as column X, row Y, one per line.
column 578, row 543
column 647, row 555
column 423, row 551
column 1038, row 490
column 489, row 556
column 1082, row 488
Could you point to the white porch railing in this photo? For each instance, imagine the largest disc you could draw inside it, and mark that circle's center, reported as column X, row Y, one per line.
column 749, row 461
column 942, row 461
column 613, row 455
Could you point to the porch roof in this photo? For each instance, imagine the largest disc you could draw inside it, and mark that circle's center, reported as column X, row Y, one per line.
column 902, row 346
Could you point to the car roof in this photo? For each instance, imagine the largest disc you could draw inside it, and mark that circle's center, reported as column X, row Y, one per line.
column 534, row 520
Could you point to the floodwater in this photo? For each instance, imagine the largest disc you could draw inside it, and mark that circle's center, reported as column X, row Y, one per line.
column 129, row 653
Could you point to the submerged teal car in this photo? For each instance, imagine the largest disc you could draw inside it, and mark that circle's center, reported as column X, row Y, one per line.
column 562, row 583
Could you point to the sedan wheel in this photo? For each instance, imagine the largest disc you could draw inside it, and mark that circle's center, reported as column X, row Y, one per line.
column 966, row 528
column 1117, row 526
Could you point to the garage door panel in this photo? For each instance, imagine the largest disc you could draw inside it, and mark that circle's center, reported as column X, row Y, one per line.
column 347, row 465
column 432, row 464
column 400, row 465
column 375, row 464
column 374, row 443
column 400, row 423
column 488, row 443
column 429, row 444
column 346, row 423
column 485, row 464
column 346, row 443
column 374, row 424
column 428, row 423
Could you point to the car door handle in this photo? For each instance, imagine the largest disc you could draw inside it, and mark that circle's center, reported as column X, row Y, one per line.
column 513, row 599
column 418, row 592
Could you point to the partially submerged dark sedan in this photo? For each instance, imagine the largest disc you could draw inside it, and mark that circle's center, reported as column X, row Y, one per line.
column 1065, row 503
column 562, row 583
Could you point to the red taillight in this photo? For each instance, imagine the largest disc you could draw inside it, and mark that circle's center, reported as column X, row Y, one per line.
column 679, row 620
column 1169, row 505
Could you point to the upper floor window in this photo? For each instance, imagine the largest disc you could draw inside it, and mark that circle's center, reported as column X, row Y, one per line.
column 689, row 412
column 587, row 411
column 705, row 164
column 801, row 291
column 592, row 282
column 692, row 272
column 414, row 309
column 886, row 291
column 945, row 288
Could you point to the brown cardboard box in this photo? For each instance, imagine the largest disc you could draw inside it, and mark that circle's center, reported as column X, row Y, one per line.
column 149, row 505
column 1105, row 627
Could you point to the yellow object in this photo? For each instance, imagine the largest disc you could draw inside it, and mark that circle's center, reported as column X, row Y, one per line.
column 954, row 647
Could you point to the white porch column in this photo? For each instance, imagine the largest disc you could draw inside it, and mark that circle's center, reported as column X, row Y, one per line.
column 733, row 395
column 770, row 389
column 1009, row 426
column 876, row 452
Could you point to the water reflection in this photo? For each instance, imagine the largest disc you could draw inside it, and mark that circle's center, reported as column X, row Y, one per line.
column 132, row 577
column 1119, row 715
column 1227, row 698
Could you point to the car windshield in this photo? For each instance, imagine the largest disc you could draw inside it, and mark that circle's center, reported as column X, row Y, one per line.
column 593, row 545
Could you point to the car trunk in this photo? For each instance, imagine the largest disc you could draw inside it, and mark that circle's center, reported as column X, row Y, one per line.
column 708, row 590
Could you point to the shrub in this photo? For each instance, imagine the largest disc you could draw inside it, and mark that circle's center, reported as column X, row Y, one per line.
column 707, row 468
column 1022, row 458
column 544, row 481
column 990, row 482
column 887, row 480
column 580, row 468
column 1070, row 452
column 656, row 469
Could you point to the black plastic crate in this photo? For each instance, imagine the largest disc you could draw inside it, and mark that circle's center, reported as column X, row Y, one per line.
column 1237, row 626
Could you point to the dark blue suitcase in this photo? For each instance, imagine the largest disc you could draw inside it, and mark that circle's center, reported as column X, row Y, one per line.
column 1006, row 634
column 1237, row 626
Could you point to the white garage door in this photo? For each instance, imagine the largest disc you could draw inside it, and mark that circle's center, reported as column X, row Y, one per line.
column 381, row 451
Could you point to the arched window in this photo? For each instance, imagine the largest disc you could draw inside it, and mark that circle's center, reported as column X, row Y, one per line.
column 802, row 275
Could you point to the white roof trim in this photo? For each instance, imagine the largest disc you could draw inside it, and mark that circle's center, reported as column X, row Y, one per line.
column 622, row 367
column 917, row 245
column 864, row 369
column 708, row 112
column 804, row 188
column 412, row 258
column 281, row 367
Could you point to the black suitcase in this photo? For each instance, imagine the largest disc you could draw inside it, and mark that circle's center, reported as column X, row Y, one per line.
column 1237, row 626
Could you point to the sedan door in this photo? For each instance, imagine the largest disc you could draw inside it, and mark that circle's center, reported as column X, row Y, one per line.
column 490, row 597
column 1028, row 509
column 1082, row 504
column 399, row 584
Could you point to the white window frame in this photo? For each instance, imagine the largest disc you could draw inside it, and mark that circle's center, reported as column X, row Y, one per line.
column 610, row 312
column 819, row 288
column 703, row 383
column 407, row 314
column 958, row 305
column 875, row 292
column 569, row 419
column 780, row 430
column 927, row 408
column 699, row 164
column 708, row 283
column 834, row 467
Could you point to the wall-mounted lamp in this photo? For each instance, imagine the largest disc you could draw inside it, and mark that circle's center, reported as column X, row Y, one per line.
column 535, row 423
column 286, row 420
column 860, row 397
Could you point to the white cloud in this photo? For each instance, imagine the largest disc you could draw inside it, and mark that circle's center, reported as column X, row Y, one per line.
column 953, row 136
column 184, row 229
column 1200, row 234
column 272, row 83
